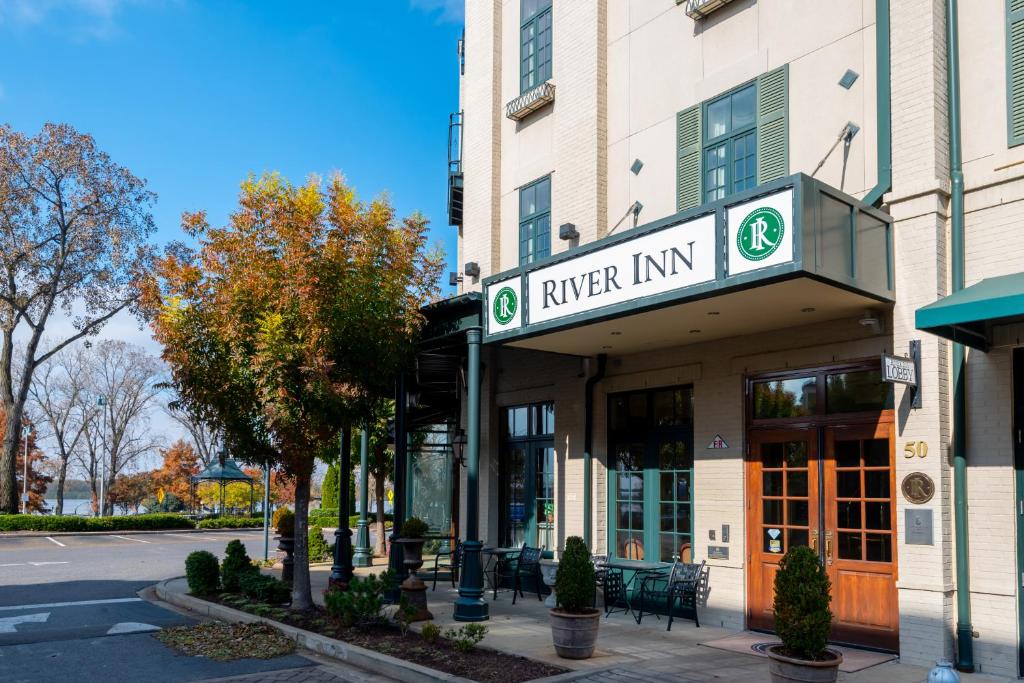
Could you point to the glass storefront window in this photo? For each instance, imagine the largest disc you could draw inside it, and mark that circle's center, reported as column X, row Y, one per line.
column 527, row 475
column 854, row 392
column 778, row 398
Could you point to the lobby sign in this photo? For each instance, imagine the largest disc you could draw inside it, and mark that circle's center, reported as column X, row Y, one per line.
column 760, row 233
column 679, row 256
column 504, row 305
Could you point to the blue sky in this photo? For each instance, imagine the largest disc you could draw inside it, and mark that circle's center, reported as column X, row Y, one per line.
column 193, row 95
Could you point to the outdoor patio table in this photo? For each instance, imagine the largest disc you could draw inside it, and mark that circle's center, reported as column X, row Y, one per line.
column 497, row 557
column 638, row 567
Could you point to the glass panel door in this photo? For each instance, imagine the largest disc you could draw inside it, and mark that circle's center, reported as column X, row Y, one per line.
column 544, row 458
column 516, row 496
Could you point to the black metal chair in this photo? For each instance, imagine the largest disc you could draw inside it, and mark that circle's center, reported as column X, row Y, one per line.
column 527, row 566
column 678, row 586
column 451, row 560
column 614, row 592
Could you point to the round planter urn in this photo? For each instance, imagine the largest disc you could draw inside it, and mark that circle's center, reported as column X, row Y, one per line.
column 575, row 635
column 413, row 589
column 943, row 673
column 548, row 570
column 785, row 669
column 286, row 544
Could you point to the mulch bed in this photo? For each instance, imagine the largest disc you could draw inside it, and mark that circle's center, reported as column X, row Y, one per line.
column 225, row 642
column 483, row 665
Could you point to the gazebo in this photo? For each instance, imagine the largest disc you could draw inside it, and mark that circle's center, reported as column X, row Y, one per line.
column 224, row 472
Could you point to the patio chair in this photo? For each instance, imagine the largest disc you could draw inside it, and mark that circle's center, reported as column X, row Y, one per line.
column 614, row 592
column 450, row 560
column 679, row 586
column 528, row 566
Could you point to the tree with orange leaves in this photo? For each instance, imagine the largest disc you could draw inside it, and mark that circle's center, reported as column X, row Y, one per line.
column 181, row 463
column 287, row 324
column 38, row 481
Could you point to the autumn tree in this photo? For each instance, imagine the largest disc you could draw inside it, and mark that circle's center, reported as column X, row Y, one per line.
column 381, row 464
column 59, row 396
column 38, row 480
column 129, row 490
column 73, row 233
column 174, row 476
column 206, row 441
column 289, row 321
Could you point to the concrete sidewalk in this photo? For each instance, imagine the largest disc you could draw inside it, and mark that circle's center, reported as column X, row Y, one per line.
column 626, row 651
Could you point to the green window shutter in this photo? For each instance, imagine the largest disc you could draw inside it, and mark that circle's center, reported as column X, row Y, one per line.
column 688, row 158
column 1015, row 72
column 772, row 127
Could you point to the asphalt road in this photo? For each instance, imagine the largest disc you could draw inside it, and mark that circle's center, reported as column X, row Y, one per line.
column 70, row 609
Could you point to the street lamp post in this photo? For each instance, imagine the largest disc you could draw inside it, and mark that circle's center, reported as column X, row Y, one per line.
column 26, row 431
column 102, row 402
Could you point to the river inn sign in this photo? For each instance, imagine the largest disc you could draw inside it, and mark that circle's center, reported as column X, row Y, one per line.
column 683, row 255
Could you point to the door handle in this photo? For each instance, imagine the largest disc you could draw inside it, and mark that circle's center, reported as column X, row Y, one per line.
column 814, row 540
column 828, row 546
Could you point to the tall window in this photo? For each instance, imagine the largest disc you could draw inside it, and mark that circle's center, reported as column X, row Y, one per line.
column 651, row 444
column 535, row 45
column 527, row 472
column 730, row 143
column 535, row 221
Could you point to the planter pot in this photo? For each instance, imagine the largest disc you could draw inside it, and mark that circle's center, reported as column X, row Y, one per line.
column 286, row 544
column 548, row 570
column 785, row 669
column 575, row 635
column 413, row 589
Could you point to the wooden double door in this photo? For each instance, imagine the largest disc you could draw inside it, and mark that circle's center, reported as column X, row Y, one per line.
column 830, row 488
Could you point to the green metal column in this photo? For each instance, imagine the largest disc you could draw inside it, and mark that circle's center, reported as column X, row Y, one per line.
column 362, row 557
column 470, row 605
column 964, row 630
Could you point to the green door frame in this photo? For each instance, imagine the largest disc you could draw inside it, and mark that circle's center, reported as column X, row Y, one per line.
column 651, row 437
column 1018, row 463
column 531, row 442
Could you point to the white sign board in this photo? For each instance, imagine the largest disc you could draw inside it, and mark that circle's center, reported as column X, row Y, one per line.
column 676, row 257
column 760, row 233
column 504, row 305
column 899, row 370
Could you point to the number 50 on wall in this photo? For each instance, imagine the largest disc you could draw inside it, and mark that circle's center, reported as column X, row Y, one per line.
column 913, row 449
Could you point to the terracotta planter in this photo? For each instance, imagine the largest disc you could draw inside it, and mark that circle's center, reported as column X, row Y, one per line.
column 286, row 544
column 575, row 635
column 785, row 669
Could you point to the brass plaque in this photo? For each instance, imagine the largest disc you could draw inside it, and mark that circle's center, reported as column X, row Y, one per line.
column 918, row 488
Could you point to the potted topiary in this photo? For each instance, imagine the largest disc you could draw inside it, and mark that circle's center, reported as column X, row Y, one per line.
column 284, row 523
column 413, row 589
column 575, row 622
column 802, row 621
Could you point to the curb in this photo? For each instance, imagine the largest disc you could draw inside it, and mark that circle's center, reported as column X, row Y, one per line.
column 44, row 534
column 367, row 660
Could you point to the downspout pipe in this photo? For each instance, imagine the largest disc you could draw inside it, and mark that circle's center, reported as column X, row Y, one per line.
column 964, row 630
column 883, row 105
column 588, row 447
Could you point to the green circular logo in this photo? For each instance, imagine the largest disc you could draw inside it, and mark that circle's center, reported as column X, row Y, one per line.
column 505, row 305
column 760, row 234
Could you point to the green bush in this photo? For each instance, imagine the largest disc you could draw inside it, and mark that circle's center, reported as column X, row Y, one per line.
column 802, row 595
column 431, row 632
column 575, row 581
column 236, row 565
column 202, row 572
column 361, row 604
column 231, row 523
column 319, row 549
column 72, row 523
column 263, row 588
column 467, row 637
column 329, row 489
column 284, row 522
column 328, row 517
column 414, row 527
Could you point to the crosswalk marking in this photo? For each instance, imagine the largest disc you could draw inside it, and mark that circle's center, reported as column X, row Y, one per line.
column 54, row 540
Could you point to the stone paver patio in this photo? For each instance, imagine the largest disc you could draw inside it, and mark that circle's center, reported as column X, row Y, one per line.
column 628, row 652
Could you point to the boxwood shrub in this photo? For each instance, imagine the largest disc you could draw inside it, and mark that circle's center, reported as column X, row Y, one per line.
column 231, row 523
column 264, row 588
column 202, row 572
column 73, row 523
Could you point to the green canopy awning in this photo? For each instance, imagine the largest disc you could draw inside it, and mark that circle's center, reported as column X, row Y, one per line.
column 969, row 315
column 229, row 471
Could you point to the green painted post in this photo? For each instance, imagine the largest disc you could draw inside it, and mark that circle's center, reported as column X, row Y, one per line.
column 362, row 557
column 470, row 605
column 964, row 630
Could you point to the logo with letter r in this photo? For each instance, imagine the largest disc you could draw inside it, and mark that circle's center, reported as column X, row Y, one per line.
column 505, row 305
column 760, row 234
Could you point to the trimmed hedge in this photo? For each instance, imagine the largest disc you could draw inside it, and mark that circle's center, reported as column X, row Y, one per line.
column 231, row 523
column 328, row 517
column 72, row 523
column 265, row 588
column 202, row 572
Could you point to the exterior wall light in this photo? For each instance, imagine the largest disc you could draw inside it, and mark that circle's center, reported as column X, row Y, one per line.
column 472, row 269
column 567, row 231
